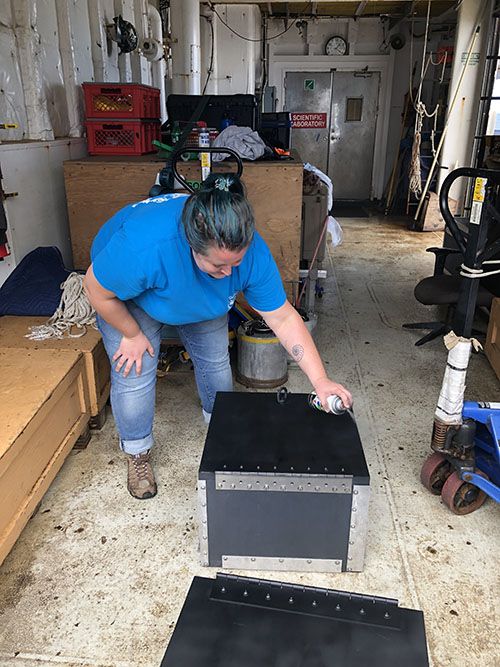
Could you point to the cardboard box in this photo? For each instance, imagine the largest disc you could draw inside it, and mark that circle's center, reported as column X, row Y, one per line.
column 282, row 486
column 241, row 622
column 45, row 408
column 492, row 347
column 97, row 367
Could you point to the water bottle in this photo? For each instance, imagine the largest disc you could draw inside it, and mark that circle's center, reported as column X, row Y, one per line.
column 204, row 142
column 334, row 403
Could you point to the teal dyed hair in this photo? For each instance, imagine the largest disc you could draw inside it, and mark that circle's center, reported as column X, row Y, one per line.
column 218, row 215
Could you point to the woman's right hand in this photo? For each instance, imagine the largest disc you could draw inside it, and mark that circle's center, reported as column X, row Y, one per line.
column 131, row 351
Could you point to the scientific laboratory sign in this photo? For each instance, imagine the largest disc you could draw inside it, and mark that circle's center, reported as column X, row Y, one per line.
column 306, row 121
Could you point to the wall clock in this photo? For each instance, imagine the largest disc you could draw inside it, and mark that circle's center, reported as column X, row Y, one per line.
column 336, row 46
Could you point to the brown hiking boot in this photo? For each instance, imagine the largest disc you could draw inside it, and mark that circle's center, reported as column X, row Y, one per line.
column 141, row 478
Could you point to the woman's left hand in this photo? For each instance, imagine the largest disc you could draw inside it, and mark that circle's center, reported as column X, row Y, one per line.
column 324, row 387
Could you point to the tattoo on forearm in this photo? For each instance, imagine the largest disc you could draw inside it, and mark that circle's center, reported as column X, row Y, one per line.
column 297, row 352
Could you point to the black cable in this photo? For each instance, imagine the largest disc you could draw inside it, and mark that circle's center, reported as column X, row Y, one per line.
column 249, row 39
column 211, row 66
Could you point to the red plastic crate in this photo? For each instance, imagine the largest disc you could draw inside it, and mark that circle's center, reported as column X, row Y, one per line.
column 126, row 137
column 121, row 100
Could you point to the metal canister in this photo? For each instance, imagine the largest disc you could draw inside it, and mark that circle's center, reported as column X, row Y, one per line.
column 261, row 357
column 334, row 403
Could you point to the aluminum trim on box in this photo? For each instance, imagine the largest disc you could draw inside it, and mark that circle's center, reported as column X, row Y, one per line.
column 276, row 563
column 269, row 481
column 203, row 519
column 358, row 529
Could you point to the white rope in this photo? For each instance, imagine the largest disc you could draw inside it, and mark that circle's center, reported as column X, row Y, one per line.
column 467, row 272
column 74, row 310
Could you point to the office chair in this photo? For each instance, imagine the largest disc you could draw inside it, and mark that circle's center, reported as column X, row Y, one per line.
column 474, row 247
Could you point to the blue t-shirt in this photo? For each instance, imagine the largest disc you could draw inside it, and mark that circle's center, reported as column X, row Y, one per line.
column 142, row 254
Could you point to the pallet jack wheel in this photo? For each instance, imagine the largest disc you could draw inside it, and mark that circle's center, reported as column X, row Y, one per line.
column 462, row 497
column 435, row 472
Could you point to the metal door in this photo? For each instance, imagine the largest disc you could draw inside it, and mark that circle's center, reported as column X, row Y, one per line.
column 308, row 98
column 335, row 118
column 352, row 133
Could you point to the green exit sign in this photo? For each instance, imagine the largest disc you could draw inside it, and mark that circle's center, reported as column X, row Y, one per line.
column 309, row 84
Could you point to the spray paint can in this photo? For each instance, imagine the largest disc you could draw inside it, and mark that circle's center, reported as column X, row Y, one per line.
column 334, row 403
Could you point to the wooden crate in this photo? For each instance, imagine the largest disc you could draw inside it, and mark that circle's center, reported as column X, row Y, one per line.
column 97, row 366
column 98, row 187
column 492, row 347
column 45, row 408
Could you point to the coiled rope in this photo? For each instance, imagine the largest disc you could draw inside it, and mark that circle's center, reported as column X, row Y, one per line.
column 74, row 310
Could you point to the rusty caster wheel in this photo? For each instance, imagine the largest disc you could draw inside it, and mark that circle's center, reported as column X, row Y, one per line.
column 435, row 472
column 462, row 497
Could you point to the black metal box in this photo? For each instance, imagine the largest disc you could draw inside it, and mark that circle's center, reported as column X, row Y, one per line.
column 242, row 622
column 282, row 486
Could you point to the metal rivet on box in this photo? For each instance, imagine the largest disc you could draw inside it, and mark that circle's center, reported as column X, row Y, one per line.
column 245, row 593
column 268, row 596
column 223, row 589
column 354, row 509
column 353, row 525
column 314, row 603
column 280, row 560
column 266, row 486
column 308, row 468
column 387, row 615
column 362, row 611
column 325, row 469
column 291, row 600
column 337, row 562
column 309, row 561
column 292, row 468
column 249, row 486
column 253, row 560
column 233, row 485
column 300, row 488
column 224, row 558
column 338, row 607
column 355, row 492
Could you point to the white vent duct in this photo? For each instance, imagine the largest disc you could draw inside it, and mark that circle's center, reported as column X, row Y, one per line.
column 185, row 23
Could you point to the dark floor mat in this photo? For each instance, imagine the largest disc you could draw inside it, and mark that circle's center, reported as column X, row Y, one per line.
column 352, row 209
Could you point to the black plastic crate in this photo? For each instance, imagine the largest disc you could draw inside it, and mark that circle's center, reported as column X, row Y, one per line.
column 242, row 110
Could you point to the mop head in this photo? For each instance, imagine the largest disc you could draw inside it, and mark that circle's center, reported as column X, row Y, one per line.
column 74, row 310
column 451, row 396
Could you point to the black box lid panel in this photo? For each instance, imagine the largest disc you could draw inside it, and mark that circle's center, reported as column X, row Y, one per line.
column 253, row 432
column 243, row 110
column 242, row 622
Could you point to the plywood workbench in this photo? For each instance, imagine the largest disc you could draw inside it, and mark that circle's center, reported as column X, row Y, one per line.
column 97, row 187
column 45, row 408
column 13, row 331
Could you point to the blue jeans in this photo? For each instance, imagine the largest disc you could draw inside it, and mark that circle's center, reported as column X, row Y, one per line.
column 133, row 397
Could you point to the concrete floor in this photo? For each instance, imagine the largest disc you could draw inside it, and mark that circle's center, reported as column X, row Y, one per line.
column 98, row 578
